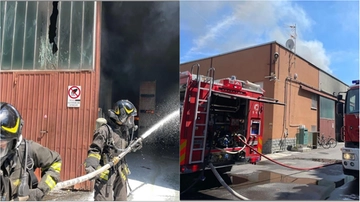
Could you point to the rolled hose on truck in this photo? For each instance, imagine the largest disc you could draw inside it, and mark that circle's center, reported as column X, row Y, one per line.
column 239, row 196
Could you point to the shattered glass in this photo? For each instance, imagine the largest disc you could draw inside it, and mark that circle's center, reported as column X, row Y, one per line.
column 25, row 42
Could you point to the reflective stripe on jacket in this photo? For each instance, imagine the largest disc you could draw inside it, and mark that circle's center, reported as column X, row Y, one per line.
column 47, row 160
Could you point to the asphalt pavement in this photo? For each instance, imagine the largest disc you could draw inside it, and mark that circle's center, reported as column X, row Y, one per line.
column 269, row 181
column 349, row 191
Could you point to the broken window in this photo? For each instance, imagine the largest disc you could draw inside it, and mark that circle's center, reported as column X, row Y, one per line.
column 34, row 36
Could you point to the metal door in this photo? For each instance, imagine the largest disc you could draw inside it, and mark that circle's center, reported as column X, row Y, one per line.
column 32, row 98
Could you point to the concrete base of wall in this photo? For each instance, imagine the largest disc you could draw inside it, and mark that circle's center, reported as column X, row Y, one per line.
column 276, row 145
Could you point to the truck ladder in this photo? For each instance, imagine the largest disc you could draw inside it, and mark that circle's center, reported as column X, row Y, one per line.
column 200, row 101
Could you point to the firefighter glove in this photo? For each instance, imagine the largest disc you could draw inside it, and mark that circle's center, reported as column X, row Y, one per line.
column 104, row 175
column 137, row 146
column 90, row 169
column 124, row 171
column 136, row 127
column 35, row 195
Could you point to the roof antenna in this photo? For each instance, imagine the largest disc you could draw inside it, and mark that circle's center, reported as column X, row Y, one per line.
column 291, row 46
column 291, row 43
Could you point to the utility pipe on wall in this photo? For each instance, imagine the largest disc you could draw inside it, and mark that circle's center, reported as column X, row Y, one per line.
column 287, row 97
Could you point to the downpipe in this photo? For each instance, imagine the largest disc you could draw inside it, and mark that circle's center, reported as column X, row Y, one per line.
column 89, row 176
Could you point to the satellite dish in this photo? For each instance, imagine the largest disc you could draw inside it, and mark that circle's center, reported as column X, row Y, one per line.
column 290, row 44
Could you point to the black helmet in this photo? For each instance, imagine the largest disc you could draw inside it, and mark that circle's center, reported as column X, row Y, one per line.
column 10, row 132
column 123, row 113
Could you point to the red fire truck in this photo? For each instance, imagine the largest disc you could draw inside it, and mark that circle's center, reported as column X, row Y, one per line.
column 216, row 115
column 350, row 130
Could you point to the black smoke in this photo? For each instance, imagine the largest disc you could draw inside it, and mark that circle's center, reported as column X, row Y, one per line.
column 140, row 42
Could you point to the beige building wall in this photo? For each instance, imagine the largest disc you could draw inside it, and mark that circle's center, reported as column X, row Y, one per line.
column 298, row 110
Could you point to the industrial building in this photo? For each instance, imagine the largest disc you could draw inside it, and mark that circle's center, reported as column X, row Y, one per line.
column 309, row 93
column 63, row 63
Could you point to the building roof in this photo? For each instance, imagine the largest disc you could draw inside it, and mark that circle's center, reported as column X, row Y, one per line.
column 264, row 44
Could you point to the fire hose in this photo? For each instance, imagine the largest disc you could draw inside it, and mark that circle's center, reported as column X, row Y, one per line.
column 284, row 165
column 237, row 195
column 132, row 146
column 217, row 175
column 235, row 152
column 89, row 176
column 116, row 159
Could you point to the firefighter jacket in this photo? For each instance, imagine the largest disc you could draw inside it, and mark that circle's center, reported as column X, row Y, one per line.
column 106, row 145
column 47, row 160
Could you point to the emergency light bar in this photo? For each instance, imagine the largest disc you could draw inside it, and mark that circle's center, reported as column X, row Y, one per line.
column 355, row 82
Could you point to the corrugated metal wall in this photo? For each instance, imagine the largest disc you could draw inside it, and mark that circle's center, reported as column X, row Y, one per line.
column 41, row 98
column 7, row 82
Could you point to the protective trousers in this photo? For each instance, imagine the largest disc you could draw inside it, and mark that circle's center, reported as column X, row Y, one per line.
column 114, row 189
column 4, row 188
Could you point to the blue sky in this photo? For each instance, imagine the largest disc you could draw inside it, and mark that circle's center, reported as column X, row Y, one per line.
column 327, row 31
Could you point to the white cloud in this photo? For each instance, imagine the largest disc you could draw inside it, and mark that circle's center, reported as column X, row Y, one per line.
column 197, row 13
column 250, row 23
column 212, row 34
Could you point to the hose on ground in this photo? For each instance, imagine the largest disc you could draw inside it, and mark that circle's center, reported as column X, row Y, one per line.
column 201, row 176
column 231, row 191
column 223, row 183
column 284, row 165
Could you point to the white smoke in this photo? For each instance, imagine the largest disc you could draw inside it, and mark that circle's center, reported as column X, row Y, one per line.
column 249, row 23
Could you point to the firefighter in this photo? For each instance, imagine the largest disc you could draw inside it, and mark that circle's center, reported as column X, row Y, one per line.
column 20, row 157
column 110, row 140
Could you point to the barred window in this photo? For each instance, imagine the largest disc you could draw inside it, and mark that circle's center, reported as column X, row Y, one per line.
column 25, row 42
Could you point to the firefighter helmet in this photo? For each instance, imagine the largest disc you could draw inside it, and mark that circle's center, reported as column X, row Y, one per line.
column 123, row 113
column 10, row 132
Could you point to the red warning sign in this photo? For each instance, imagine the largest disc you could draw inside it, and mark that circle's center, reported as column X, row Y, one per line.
column 74, row 96
column 74, row 92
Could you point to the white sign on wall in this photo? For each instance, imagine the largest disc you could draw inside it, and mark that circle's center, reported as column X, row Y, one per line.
column 74, row 95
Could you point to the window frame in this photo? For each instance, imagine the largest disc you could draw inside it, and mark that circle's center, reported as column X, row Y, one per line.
column 324, row 112
column 37, row 38
column 355, row 94
column 314, row 101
